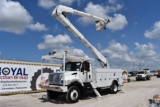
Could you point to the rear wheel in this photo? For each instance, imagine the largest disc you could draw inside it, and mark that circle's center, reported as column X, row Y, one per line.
column 52, row 94
column 114, row 88
column 137, row 79
column 73, row 94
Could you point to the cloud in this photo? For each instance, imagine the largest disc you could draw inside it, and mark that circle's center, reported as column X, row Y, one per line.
column 116, row 47
column 60, row 43
column 123, row 35
column 147, row 56
column 117, row 51
column 94, row 9
column 112, row 1
column 144, row 56
column 76, row 52
column 113, row 8
column 118, row 22
column 154, row 32
column 145, row 50
column 51, row 42
column 99, row 46
column 118, row 55
column 67, row 2
column 37, row 27
column 56, row 28
column 15, row 18
column 47, row 4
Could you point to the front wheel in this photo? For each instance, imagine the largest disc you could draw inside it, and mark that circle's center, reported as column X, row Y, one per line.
column 148, row 78
column 73, row 94
column 114, row 88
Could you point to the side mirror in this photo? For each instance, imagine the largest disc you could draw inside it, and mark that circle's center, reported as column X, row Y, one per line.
column 82, row 69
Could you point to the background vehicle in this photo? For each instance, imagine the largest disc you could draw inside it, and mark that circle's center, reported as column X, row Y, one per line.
column 153, row 73
column 143, row 75
column 133, row 73
column 158, row 75
column 78, row 75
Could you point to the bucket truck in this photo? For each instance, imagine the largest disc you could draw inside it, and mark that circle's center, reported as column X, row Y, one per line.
column 78, row 75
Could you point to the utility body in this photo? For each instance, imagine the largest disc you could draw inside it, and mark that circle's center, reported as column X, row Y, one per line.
column 78, row 75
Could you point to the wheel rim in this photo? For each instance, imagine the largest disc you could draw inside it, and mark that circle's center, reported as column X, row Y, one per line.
column 74, row 94
column 115, row 88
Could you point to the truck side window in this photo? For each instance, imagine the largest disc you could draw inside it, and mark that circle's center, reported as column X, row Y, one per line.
column 86, row 66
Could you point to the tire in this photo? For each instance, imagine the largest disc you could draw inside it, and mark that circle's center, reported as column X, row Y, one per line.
column 114, row 88
column 148, row 78
column 52, row 94
column 73, row 95
column 128, row 80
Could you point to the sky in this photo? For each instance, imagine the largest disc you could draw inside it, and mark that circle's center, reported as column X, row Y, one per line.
column 130, row 41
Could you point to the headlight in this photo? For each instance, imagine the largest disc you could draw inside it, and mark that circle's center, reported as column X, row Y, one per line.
column 66, row 82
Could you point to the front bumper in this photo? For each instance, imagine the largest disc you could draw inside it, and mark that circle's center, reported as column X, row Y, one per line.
column 140, row 78
column 54, row 87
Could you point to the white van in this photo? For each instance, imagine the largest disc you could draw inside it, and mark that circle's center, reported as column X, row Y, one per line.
column 143, row 75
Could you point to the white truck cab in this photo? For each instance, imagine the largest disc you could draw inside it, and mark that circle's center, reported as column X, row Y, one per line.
column 143, row 75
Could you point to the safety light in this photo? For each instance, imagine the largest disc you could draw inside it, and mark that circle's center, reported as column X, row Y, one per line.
column 65, row 51
column 52, row 53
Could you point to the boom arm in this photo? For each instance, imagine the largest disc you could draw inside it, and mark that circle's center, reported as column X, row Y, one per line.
column 60, row 13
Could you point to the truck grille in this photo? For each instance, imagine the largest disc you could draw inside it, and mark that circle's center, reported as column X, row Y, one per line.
column 139, row 76
column 55, row 78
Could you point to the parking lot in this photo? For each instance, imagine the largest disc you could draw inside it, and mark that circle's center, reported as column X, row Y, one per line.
column 137, row 95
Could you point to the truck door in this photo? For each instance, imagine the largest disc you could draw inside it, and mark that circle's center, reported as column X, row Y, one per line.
column 85, row 73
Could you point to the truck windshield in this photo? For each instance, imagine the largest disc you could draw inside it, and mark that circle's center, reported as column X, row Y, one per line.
column 141, row 72
column 72, row 66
